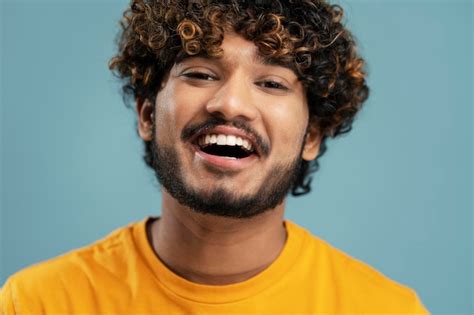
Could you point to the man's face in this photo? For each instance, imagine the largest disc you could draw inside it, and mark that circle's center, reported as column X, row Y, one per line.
column 229, row 133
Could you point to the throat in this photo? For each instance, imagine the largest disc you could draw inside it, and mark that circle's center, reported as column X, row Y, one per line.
column 205, row 258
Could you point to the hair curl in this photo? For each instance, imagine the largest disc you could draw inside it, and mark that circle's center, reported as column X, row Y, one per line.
column 305, row 35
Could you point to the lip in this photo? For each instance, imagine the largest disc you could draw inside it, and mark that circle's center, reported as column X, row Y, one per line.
column 229, row 130
column 222, row 162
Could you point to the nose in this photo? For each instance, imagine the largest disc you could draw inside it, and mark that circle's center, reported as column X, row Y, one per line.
column 233, row 100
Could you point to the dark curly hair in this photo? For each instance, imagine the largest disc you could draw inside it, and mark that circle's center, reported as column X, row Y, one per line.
column 305, row 35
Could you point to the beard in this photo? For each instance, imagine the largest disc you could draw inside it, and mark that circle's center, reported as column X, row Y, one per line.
column 220, row 202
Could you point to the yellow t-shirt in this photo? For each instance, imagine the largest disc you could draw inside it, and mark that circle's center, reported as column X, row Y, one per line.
column 121, row 275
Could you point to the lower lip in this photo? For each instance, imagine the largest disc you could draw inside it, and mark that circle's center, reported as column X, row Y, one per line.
column 224, row 163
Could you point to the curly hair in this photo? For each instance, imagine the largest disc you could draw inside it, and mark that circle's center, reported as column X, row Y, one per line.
column 306, row 35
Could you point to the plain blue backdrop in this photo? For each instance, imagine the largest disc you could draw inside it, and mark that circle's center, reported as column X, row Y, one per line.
column 396, row 192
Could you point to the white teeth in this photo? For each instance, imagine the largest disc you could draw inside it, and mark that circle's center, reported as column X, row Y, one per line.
column 239, row 141
column 246, row 144
column 231, row 140
column 221, row 139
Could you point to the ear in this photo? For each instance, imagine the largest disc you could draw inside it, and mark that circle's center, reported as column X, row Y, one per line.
column 312, row 142
column 145, row 110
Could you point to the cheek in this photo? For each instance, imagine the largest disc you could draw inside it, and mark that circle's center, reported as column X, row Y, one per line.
column 289, row 123
column 174, row 110
column 165, row 115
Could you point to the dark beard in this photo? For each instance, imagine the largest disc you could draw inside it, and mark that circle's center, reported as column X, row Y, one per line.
column 220, row 202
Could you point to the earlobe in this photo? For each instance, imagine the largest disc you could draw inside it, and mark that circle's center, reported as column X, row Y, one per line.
column 145, row 113
column 312, row 143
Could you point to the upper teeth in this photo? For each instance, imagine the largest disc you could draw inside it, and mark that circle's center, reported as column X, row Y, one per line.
column 220, row 139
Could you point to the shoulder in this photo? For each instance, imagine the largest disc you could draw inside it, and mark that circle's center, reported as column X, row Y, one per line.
column 53, row 280
column 355, row 282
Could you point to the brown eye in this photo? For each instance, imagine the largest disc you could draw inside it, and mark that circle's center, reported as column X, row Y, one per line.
column 272, row 85
column 199, row 76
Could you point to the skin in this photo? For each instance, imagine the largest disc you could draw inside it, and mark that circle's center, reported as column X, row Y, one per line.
column 210, row 249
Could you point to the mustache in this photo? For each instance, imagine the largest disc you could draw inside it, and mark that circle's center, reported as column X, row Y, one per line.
column 213, row 122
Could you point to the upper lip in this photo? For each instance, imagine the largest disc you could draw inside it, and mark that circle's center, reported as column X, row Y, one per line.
column 229, row 130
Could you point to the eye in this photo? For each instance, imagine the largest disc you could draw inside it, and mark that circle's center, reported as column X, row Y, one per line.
column 199, row 76
column 272, row 85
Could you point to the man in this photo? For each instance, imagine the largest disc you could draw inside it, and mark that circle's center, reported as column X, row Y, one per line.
column 235, row 100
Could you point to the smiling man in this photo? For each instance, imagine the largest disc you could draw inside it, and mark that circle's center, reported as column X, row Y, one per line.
column 235, row 100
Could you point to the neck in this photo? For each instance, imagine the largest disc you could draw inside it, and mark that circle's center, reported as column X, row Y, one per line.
column 216, row 250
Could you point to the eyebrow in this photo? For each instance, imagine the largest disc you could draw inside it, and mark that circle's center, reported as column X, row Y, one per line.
column 256, row 58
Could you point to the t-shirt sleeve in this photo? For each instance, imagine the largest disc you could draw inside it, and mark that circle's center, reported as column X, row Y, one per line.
column 7, row 306
column 15, row 298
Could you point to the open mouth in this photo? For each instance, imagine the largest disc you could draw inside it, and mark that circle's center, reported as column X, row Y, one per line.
column 226, row 146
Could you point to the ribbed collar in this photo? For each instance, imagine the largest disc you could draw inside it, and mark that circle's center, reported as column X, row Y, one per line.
column 220, row 294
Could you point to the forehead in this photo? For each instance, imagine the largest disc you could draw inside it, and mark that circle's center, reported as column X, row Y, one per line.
column 237, row 49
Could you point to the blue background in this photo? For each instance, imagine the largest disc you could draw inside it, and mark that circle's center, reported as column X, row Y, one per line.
column 396, row 192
